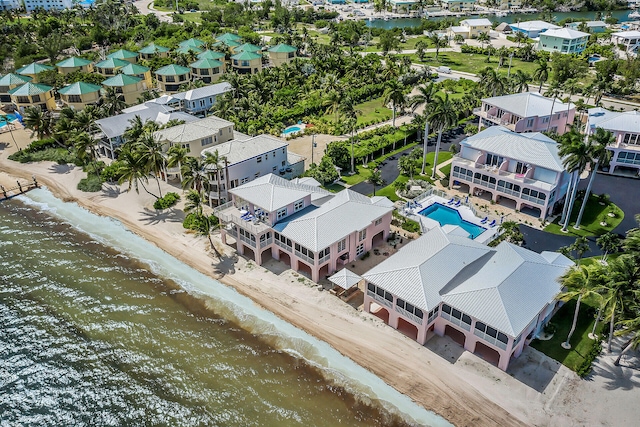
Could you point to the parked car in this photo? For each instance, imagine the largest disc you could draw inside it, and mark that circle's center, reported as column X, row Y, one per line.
column 445, row 70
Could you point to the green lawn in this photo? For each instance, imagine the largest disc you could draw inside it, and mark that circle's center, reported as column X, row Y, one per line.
column 192, row 17
column 594, row 214
column 373, row 110
column 334, row 188
column 581, row 343
column 362, row 173
column 446, row 170
column 471, row 62
column 592, row 260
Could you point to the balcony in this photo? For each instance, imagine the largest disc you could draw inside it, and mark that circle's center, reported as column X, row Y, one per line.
column 379, row 299
column 514, row 178
column 408, row 315
column 456, row 321
column 229, row 213
column 266, row 242
column 489, row 339
column 306, row 258
column 495, row 119
column 324, row 259
column 248, row 241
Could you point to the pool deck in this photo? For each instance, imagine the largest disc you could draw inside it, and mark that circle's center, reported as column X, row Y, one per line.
column 465, row 212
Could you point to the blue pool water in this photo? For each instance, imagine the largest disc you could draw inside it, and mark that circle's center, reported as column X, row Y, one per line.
column 291, row 129
column 9, row 118
column 446, row 215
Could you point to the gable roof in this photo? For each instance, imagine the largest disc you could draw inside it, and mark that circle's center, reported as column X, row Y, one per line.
column 534, row 148
column 172, row 70
column 14, row 79
column 238, row 151
column 528, row 104
column 621, row 121
column 564, row 33
column 29, row 89
column 134, row 69
column 270, row 192
column 79, row 88
column 246, row 56
column 74, row 61
column 283, row 48
column 112, row 63
column 33, row 68
column 120, row 80
column 153, row 48
column 421, row 269
column 345, row 278
column 202, row 128
column 122, row 54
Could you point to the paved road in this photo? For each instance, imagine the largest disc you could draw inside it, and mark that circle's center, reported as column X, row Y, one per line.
column 145, row 7
column 538, row 241
column 390, row 169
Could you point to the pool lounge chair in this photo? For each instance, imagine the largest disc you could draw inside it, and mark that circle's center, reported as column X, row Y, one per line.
column 486, row 218
column 458, row 203
column 493, row 223
column 450, row 202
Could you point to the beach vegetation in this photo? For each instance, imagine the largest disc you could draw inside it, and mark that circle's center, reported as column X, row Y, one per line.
column 90, row 184
column 167, row 201
column 61, row 156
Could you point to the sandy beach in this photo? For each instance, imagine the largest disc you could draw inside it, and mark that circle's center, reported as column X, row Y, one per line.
column 440, row 376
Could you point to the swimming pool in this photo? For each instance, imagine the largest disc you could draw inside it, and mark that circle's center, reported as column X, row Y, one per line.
column 446, row 215
column 293, row 129
column 9, row 118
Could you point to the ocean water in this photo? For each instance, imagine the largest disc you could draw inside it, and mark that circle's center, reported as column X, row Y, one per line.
column 92, row 335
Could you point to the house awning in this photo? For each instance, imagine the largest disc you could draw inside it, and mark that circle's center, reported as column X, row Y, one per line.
column 345, row 278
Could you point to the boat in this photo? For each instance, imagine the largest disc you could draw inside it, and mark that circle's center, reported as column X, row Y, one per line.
column 501, row 14
column 634, row 15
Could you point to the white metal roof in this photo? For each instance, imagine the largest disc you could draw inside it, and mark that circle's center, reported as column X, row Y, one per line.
column 627, row 34
column 345, row 278
column 423, row 268
column 115, row 126
column 270, row 192
column 528, row 104
column 533, row 148
column 203, row 92
column 237, row 151
column 317, row 227
column 192, row 131
column 564, row 33
column 306, row 181
column 479, row 22
column 621, row 121
column 511, row 288
column 533, row 25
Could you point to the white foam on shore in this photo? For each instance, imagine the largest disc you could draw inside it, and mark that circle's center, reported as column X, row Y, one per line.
column 240, row 309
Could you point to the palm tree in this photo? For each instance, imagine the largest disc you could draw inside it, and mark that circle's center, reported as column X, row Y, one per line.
column 332, row 101
column 3, row 119
column 39, row 122
column 580, row 283
column 576, row 156
column 608, row 242
column 438, row 43
column 484, row 38
column 553, row 91
column 177, row 156
column 113, row 102
column 600, row 155
column 632, row 328
column 424, row 97
column 195, row 175
column 541, row 73
column 194, row 202
column 133, row 170
column 150, row 151
column 375, row 179
column 85, row 147
column 492, row 81
column 520, row 80
column 215, row 160
column 394, row 94
column 443, row 115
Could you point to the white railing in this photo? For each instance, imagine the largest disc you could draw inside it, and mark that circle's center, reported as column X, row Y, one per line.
column 222, row 207
column 507, row 191
column 532, row 199
column 324, row 258
column 456, row 321
column 379, row 299
column 490, row 339
column 484, row 183
column 283, row 246
column 305, row 257
column 232, row 232
column 248, row 241
column 409, row 315
column 265, row 243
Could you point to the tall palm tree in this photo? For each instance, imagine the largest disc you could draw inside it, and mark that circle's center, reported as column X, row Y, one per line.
column 582, row 283
column 442, row 115
column 113, row 102
column 85, row 147
column 332, row 101
column 394, row 94
column 3, row 119
column 39, row 122
column 492, row 81
column 631, row 328
column 375, row 179
column 176, row 157
column 576, row 156
column 425, row 96
column 541, row 72
column 195, row 175
column 600, row 155
column 520, row 80
column 149, row 148
column 553, row 91
column 215, row 161
column 133, row 170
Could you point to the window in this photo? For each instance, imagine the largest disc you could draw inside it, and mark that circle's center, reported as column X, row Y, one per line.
column 215, row 71
column 410, row 308
column 493, row 160
column 521, row 168
column 259, row 159
column 378, row 222
column 360, row 249
column 342, row 244
column 75, row 98
column 283, row 163
column 182, row 78
column 244, row 180
column 245, row 63
column 631, row 139
column 273, row 169
column 298, row 205
column 323, row 253
column 256, row 175
column 187, row 146
column 530, row 123
column 362, row 234
column 204, row 72
column 281, row 213
column 206, row 141
column 380, row 292
column 629, row 158
column 170, row 79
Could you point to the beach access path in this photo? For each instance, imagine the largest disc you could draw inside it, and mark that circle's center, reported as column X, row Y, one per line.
column 440, row 377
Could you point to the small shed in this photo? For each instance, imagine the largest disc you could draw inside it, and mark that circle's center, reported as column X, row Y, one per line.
column 345, row 282
column 503, row 28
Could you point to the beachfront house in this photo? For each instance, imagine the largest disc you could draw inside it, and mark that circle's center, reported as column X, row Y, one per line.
column 532, row 29
column 470, row 28
column 196, row 135
column 310, row 229
column 130, row 87
column 458, row 5
column 31, row 5
column 80, row 94
column 625, row 40
column 73, row 64
column 8, row 82
column 593, row 27
column 526, row 112
column 492, row 301
column 32, row 70
column 563, row 40
column 625, row 126
column 33, row 95
column 246, row 159
column 282, row 54
column 170, row 77
column 520, row 170
column 153, row 50
column 207, row 70
column 110, row 67
column 124, row 55
column 247, row 62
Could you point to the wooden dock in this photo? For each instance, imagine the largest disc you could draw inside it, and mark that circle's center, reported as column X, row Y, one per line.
column 20, row 188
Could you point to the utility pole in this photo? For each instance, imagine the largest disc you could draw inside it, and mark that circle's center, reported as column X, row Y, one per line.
column 313, row 145
column 509, row 70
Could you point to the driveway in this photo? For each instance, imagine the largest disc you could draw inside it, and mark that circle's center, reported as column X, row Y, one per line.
column 538, row 241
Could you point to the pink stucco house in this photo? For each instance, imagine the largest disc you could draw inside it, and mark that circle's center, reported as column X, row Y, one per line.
column 299, row 223
column 526, row 112
column 492, row 301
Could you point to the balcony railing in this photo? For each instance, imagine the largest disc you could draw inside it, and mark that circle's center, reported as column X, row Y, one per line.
column 508, row 191
column 408, row 315
column 266, row 242
column 304, row 257
column 232, row 232
column 490, row 339
column 324, row 258
column 484, row 183
column 284, row 246
column 379, row 299
column 532, row 199
column 456, row 321
column 248, row 241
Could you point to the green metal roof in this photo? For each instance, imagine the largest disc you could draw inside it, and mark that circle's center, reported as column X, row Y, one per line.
column 246, row 56
column 248, row 47
column 29, row 89
column 121, row 80
column 230, row 43
column 14, row 79
column 112, row 63
column 79, row 88
column 228, row 37
column 153, row 48
column 173, row 70
column 210, row 54
column 122, row 54
column 134, row 69
column 74, row 61
column 206, row 63
column 187, row 49
column 34, row 68
column 283, row 48
column 191, row 42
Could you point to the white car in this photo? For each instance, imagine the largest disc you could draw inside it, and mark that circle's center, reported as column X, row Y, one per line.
column 445, row 70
